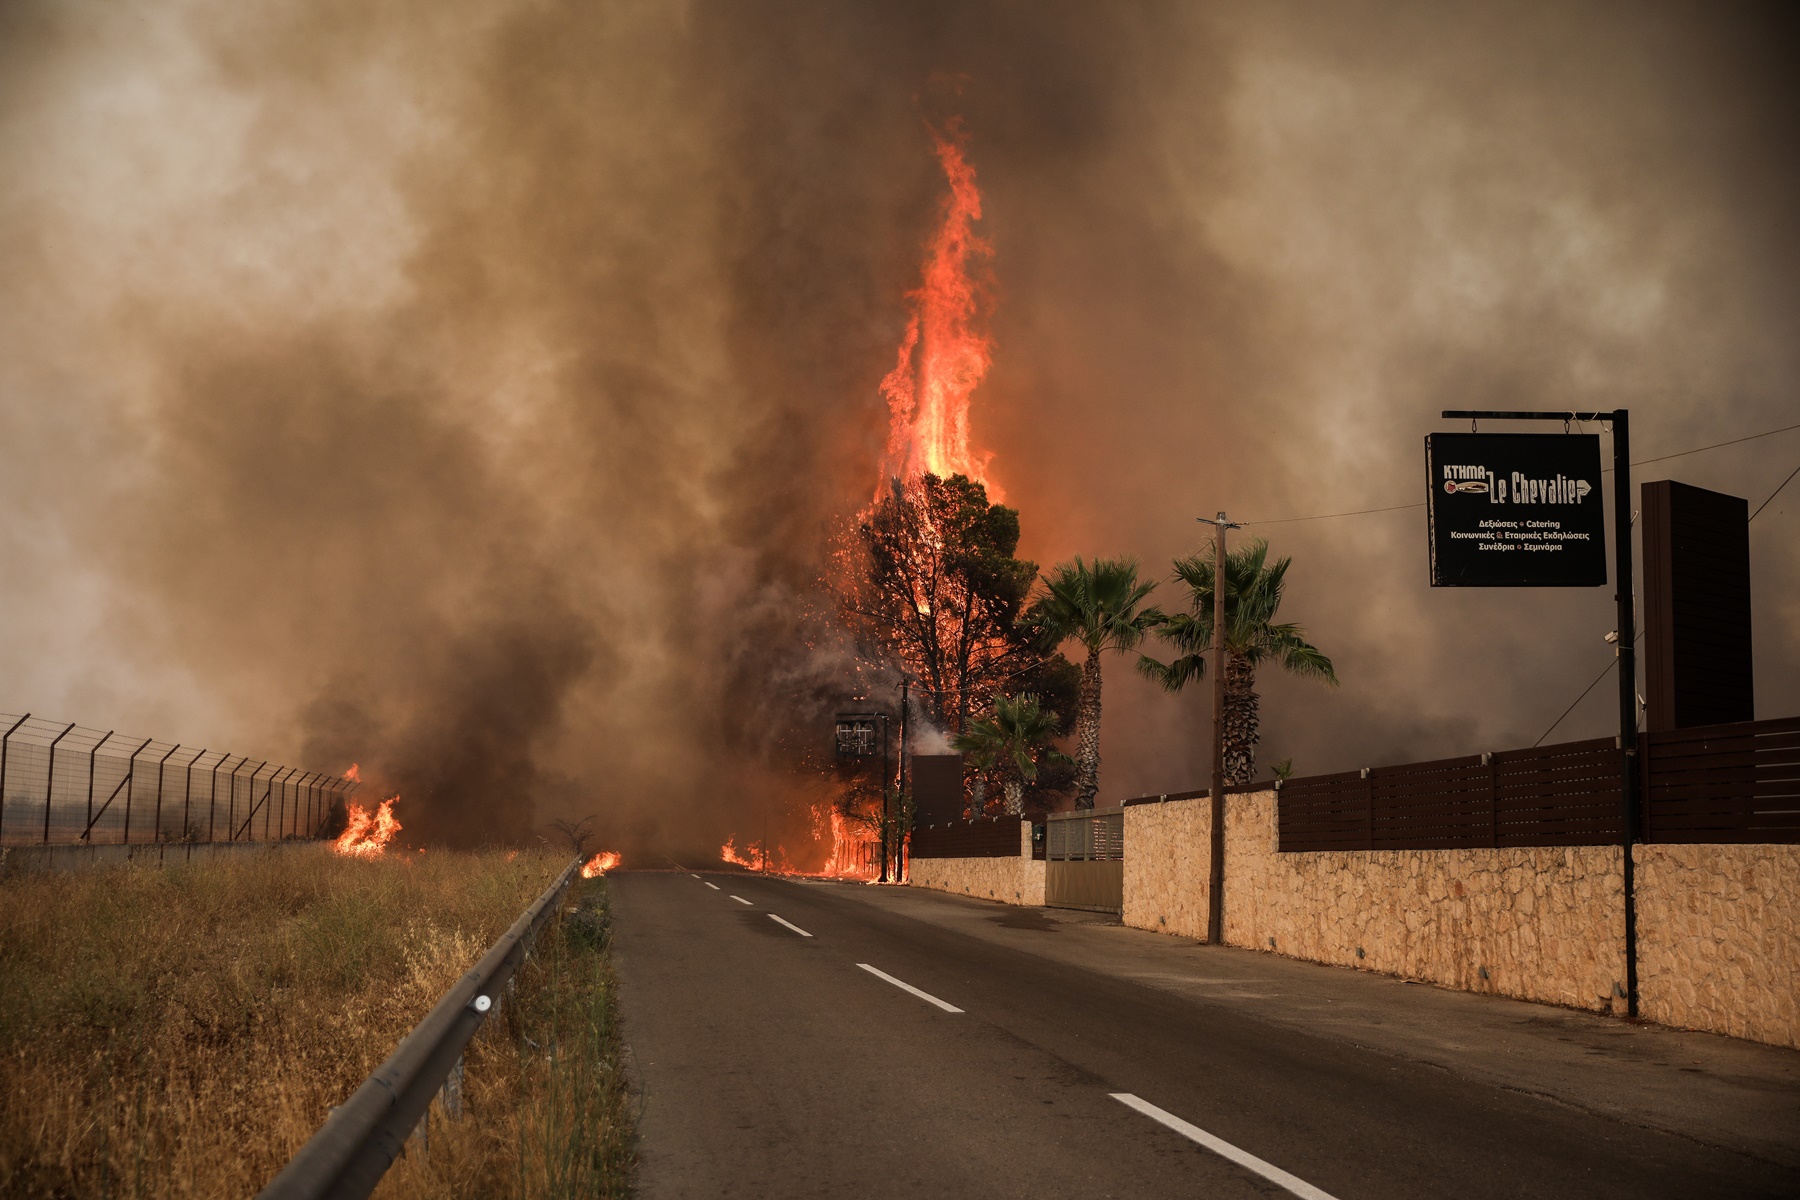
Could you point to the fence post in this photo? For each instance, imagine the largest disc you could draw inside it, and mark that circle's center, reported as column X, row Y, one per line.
column 131, row 787
column 276, row 783
column 279, row 785
column 300, row 800
column 250, row 799
column 212, row 798
column 231, row 799
column 4, row 747
column 156, row 834
column 1493, row 789
column 1369, row 805
column 92, row 754
column 187, row 794
column 50, row 780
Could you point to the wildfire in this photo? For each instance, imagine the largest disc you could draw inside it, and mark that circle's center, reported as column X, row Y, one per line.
column 943, row 356
column 354, row 774
column 745, row 858
column 600, row 864
column 851, row 856
column 368, row 833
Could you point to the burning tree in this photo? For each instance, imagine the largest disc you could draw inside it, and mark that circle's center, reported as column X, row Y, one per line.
column 933, row 588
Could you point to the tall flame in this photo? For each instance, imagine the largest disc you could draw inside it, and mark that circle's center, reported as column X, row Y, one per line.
column 367, row 834
column 944, row 355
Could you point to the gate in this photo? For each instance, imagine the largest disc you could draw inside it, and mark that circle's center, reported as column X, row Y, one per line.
column 1085, row 860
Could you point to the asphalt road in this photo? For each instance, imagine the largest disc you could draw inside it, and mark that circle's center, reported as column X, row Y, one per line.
column 786, row 1058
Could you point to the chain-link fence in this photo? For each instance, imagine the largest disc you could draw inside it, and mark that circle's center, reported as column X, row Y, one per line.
column 61, row 784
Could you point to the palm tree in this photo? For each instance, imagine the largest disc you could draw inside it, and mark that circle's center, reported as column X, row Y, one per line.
column 1016, row 738
column 978, row 745
column 1253, row 588
column 1098, row 605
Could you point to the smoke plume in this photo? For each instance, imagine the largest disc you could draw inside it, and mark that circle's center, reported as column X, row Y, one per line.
column 469, row 389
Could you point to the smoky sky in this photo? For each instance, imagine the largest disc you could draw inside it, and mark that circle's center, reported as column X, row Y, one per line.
column 470, row 390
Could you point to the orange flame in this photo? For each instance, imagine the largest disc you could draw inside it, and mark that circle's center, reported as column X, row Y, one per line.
column 853, row 855
column 354, row 774
column 944, row 356
column 368, row 834
column 600, row 864
column 746, row 858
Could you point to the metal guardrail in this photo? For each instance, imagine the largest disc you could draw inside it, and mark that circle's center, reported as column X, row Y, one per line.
column 361, row 1138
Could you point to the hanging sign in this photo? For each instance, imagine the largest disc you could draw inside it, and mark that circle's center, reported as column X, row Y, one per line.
column 1516, row 510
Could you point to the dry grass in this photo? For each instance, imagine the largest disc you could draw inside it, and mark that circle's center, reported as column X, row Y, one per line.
column 181, row 1032
column 547, row 1113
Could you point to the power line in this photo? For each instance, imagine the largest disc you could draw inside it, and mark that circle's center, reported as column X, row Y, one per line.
column 1714, row 446
column 1605, row 471
column 1775, row 493
column 1327, row 516
column 1584, row 695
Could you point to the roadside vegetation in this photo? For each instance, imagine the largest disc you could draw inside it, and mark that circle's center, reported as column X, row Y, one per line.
column 181, row 1032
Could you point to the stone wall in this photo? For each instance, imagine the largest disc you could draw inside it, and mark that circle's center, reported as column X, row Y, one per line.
column 1012, row 880
column 1165, row 888
column 1719, row 939
column 1542, row 924
column 1718, row 926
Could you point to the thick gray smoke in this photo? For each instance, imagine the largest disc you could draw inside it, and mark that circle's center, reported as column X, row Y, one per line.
column 468, row 389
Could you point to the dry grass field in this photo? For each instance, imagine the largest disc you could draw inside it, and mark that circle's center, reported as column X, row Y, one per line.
column 181, row 1032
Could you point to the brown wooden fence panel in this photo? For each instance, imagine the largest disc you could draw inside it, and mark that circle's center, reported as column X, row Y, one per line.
column 1324, row 812
column 993, row 837
column 1561, row 795
column 1723, row 783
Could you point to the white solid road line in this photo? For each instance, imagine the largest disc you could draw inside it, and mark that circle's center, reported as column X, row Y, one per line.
column 789, row 924
column 1224, row 1149
column 907, row 987
column 741, row 900
column 715, row 887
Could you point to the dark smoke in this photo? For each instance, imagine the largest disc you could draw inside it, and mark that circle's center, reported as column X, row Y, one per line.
column 469, row 390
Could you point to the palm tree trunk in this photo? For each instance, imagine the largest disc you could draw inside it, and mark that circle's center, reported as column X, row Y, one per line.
column 1087, row 734
column 978, row 798
column 1242, row 721
column 1015, row 797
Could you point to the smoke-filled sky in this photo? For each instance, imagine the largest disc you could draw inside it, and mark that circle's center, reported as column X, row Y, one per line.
column 469, row 388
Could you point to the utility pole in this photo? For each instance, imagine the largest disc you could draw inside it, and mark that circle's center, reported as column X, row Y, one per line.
column 900, row 791
column 1215, row 888
column 1628, row 716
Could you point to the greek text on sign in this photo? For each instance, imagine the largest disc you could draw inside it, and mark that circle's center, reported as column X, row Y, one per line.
column 1516, row 510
